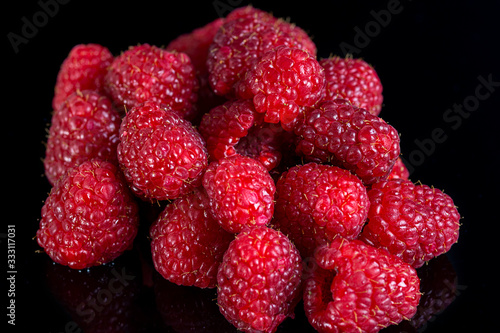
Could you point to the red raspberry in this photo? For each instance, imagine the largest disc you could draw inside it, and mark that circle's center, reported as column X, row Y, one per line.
column 340, row 133
column 145, row 72
column 236, row 128
column 161, row 154
column 316, row 203
column 354, row 80
column 84, row 127
column 246, row 35
column 359, row 288
column 241, row 192
column 89, row 218
column 223, row 126
column 196, row 44
column 399, row 170
column 187, row 242
column 83, row 69
column 282, row 84
column 415, row 223
column 259, row 280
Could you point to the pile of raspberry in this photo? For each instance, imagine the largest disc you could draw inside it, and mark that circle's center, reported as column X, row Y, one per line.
column 281, row 184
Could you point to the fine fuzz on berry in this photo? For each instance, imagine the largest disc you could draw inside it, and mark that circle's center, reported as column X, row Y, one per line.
column 413, row 222
column 359, row 288
column 354, row 80
column 246, row 35
column 85, row 126
column 340, row 133
column 316, row 203
column 147, row 72
column 89, row 218
column 399, row 170
column 259, row 280
column 161, row 154
column 241, row 192
column 187, row 243
column 83, row 69
column 282, row 84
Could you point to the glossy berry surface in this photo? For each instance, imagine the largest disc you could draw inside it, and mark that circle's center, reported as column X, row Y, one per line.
column 355, row 80
column 259, row 280
column 161, row 154
column 241, row 192
column 413, row 222
column 187, row 243
column 358, row 288
column 316, row 203
column 147, row 72
column 340, row 133
column 85, row 126
column 83, row 69
column 89, row 218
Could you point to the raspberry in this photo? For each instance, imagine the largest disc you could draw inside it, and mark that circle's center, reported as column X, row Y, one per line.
column 187, row 243
column 359, row 288
column 196, row 44
column 282, row 84
column 354, row 80
column 146, row 72
column 399, row 170
column 259, row 280
column 161, row 154
column 83, row 69
column 241, row 192
column 340, row 133
column 236, row 128
column 413, row 222
column 89, row 217
column 246, row 35
column 316, row 203
column 223, row 126
column 84, row 127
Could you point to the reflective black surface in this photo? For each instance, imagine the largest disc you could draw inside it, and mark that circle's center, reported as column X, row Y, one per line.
column 439, row 66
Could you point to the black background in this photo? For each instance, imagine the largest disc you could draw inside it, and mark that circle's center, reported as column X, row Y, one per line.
column 429, row 57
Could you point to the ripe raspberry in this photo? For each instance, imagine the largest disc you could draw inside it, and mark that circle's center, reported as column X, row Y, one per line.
column 84, row 127
column 236, row 128
column 399, row 170
column 187, row 243
column 89, row 217
column 340, row 133
column 223, row 126
column 196, row 44
column 316, row 203
column 415, row 223
column 161, row 154
column 246, row 35
column 83, row 69
column 145, row 72
column 282, row 84
column 359, row 288
column 354, row 80
column 259, row 280
column 241, row 192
